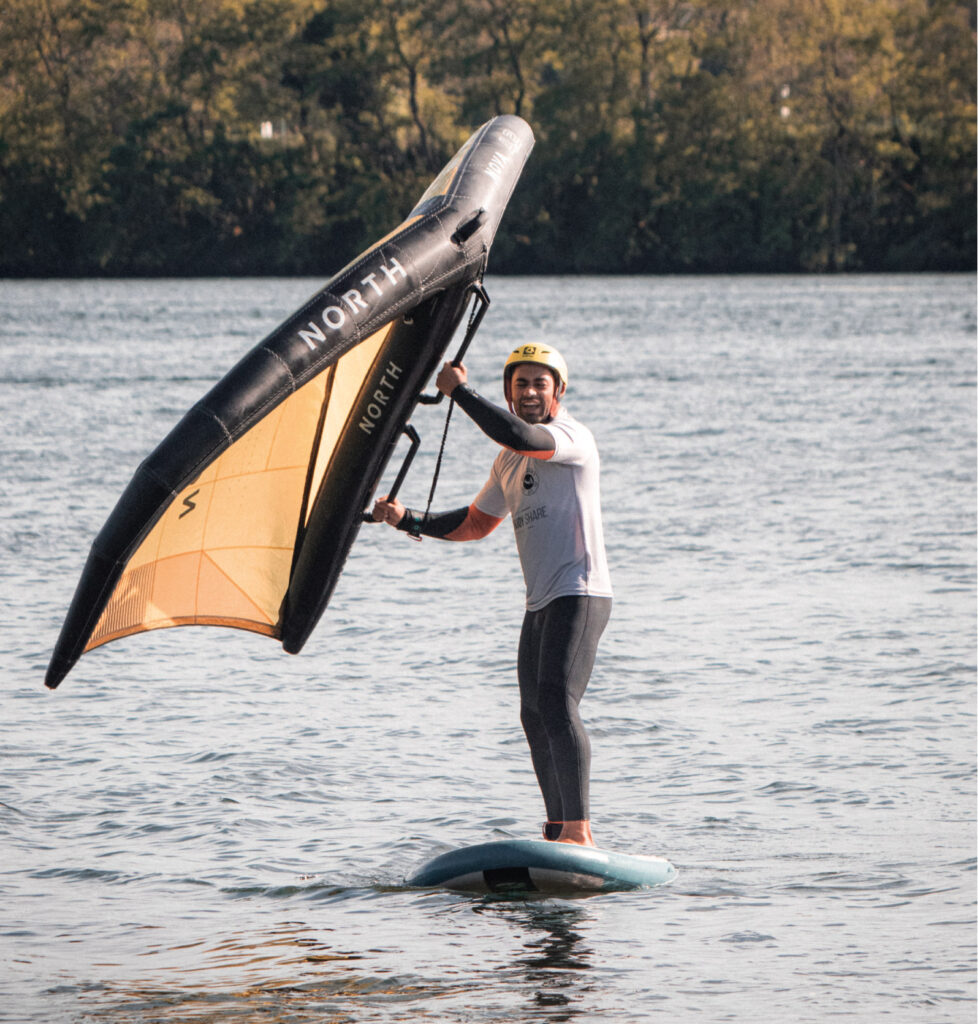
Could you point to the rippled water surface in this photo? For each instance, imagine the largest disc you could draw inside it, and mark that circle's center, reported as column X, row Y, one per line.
column 197, row 827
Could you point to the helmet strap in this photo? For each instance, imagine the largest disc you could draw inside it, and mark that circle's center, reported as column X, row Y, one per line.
column 559, row 389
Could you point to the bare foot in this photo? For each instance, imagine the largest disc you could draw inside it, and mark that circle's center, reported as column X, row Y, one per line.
column 576, row 832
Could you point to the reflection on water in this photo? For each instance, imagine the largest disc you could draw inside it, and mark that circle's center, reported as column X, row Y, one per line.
column 293, row 972
column 558, row 957
column 286, row 973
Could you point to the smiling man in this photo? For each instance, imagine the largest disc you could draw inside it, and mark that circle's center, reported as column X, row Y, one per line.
column 546, row 478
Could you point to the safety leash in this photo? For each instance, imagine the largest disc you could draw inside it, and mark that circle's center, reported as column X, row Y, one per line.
column 441, row 454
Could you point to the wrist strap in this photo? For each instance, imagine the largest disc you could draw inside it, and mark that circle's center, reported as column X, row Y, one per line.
column 411, row 524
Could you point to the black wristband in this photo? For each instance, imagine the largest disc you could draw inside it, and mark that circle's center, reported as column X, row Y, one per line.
column 434, row 524
column 411, row 523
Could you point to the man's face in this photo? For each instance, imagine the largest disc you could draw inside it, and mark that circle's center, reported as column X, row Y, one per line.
column 532, row 391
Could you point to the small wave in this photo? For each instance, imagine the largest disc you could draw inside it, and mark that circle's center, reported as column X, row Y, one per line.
column 851, row 882
column 211, row 755
column 699, row 432
column 779, row 787
column 739, row 938
column 862, row 726
column 86, row 875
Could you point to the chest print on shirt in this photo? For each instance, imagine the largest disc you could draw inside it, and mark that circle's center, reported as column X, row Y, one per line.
column 529, row 517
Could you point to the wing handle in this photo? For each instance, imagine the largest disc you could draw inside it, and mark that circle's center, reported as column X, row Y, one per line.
column 479, row 310
column 412, row 435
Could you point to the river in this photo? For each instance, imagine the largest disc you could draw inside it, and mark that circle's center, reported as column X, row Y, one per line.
column 197, row 827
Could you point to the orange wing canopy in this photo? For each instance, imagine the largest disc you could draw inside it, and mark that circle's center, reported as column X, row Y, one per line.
column 222, row 553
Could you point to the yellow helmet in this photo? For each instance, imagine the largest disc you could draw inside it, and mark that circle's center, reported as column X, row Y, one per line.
column 545, row 355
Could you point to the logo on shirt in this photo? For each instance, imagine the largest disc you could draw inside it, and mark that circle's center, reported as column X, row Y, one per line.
column 529, row 517
column 530, row 482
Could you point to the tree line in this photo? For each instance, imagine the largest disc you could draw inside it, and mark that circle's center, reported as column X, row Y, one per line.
column 283, row 136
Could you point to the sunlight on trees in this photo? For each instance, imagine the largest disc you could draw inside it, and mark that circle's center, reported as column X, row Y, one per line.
column 281, row 136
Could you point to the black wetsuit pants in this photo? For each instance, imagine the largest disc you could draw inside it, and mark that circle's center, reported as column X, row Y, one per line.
column 557, row 648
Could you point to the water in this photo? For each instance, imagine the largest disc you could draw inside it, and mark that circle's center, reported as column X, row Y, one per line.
column 197, row 827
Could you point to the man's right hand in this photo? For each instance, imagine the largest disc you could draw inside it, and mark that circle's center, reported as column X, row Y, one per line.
column 449, row 377
column 385, row 511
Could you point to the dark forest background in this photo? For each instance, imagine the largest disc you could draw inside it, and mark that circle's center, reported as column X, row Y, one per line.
column 283, row 136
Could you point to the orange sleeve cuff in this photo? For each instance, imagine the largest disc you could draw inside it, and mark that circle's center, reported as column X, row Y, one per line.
column 476, row 525
column 533, row 455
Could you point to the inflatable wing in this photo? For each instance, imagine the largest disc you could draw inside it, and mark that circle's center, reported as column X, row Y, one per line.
column 245, row 513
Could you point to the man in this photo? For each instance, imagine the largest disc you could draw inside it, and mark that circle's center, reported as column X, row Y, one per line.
column 546, row 478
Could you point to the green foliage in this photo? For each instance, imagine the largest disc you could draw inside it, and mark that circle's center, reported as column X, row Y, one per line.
column 282, row 136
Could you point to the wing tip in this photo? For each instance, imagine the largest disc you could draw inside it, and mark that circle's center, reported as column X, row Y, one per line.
column 57, row 670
